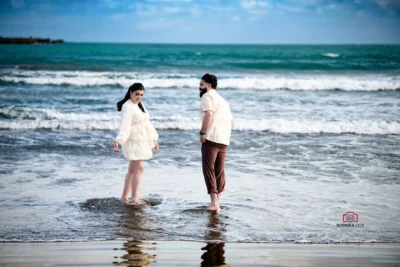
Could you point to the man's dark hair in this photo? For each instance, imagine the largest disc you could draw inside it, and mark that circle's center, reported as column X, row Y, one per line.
column 211, row 79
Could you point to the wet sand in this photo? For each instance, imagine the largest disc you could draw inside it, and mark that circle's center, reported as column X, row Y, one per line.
column 181, row 253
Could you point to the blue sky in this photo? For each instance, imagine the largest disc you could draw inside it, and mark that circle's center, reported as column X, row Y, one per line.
column 204, row 21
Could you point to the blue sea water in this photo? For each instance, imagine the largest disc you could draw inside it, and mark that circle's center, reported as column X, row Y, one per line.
column 317, row 134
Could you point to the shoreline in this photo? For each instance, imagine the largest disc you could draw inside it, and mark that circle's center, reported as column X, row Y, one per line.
column 200, row 241
column 184, row 253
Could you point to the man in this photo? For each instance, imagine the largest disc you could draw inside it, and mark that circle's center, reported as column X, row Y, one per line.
column 215, row 133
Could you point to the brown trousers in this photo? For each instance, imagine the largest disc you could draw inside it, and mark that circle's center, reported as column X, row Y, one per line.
column 213, row 160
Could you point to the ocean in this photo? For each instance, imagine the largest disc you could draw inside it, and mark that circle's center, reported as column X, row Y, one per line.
column 317, row 135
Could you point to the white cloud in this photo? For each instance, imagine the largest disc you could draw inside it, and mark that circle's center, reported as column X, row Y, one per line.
column 110, row 3
column 236, row 18
column 120, row 16
column 146, row 10
column 388, row 3
column 17, row 3
column 304, row 2
column 171, row 10
column 169, row 1
column 156, row 24
column 195, row 11
column 361, row 13
column 251, row 5
column 382, row 3
column 154, row 10
column 255, row 8
column 331, row 6
column 293, row 9
column 221, row 8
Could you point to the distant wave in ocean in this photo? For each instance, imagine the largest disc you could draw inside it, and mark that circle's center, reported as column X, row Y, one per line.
column 270, row 81
column 28, row 118
column 331, row 55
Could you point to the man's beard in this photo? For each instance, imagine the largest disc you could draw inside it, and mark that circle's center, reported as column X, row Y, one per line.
column 203, row 91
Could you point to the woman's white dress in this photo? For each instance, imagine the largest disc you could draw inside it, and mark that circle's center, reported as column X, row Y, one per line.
column 136, row 134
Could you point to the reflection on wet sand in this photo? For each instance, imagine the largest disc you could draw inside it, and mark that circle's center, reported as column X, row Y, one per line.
column 133, row 222
column 214, row 251
column 130, row 224
column 135, row 255
column 214, row 255
column 215, row 227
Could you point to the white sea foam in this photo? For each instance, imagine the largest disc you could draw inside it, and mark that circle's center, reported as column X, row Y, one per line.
column 331, row 55
column 310, row 81
column 27, row 118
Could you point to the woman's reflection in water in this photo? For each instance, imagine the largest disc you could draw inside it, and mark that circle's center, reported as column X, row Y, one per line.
column 131, row 227
column 135, row 257
column 214, row 251
column 131, row 223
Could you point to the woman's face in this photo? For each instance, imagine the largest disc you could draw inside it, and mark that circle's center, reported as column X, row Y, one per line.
column 136, row 96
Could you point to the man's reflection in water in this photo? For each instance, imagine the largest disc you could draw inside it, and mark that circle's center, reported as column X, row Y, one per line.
column 214, row 251
column 135, row 257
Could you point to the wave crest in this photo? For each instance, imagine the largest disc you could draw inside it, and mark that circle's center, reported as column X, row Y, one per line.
column 331, row 55
column 297, row 81
column 27, row 118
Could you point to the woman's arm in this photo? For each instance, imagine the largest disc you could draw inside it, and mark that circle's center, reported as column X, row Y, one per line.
column 152, row 131
column 125, row 125
column 153, row 136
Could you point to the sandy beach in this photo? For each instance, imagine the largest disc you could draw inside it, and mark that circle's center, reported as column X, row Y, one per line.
column 181, row 253
column 283, row 113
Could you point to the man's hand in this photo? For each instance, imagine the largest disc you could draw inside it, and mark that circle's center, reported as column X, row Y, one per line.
column 208, row 117
column 116, row 149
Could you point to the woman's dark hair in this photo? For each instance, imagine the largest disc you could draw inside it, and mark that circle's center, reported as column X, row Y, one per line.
column 134, row 87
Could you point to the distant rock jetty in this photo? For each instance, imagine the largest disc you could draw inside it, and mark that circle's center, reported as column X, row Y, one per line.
column 29, row 40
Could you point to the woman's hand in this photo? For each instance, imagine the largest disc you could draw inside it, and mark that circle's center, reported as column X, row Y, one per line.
column 116, row 149
column 156, row 147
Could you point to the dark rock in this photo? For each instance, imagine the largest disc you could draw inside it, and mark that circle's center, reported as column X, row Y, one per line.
column 30, row 40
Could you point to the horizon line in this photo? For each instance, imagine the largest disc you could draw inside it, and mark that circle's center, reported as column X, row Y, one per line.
column 194, row 43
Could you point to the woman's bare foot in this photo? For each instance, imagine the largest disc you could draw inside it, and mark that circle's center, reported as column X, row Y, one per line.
column 214, row 208
column 124, row 200
column 136, row 200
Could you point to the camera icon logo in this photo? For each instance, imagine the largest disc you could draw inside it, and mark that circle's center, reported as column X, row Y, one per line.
column 350, row 217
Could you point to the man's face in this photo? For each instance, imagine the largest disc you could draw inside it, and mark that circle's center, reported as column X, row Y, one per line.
column 203, row 87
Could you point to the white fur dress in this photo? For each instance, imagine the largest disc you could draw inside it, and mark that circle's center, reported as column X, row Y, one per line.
column 136, row 134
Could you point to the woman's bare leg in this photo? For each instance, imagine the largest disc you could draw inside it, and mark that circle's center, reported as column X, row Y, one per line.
column 137, row 177
column 128, row 182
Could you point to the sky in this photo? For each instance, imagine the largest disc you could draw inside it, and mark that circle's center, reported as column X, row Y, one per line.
column 205, row 21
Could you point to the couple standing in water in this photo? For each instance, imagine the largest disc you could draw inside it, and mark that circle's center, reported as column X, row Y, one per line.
column 138, row 138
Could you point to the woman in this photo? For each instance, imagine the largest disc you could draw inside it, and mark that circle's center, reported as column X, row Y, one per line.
column 137, row 137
